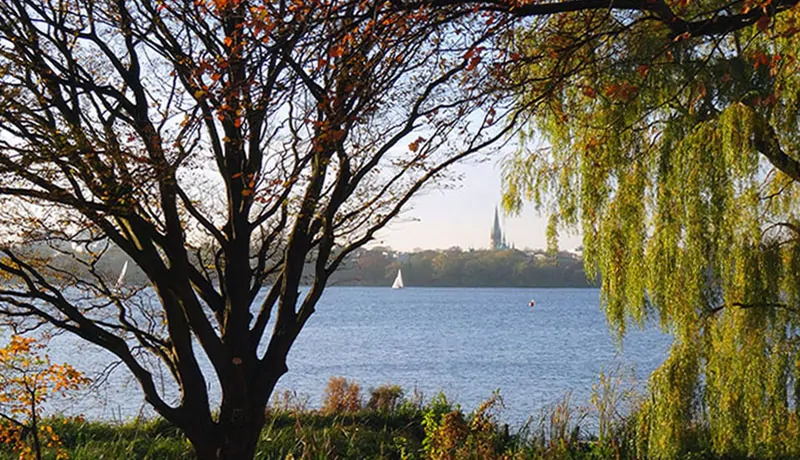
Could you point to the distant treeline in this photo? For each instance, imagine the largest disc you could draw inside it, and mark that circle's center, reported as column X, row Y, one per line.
column 378, row 266
column 457, row 267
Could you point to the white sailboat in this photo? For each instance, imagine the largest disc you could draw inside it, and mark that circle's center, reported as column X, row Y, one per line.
column 398, row 281
column 122, row 274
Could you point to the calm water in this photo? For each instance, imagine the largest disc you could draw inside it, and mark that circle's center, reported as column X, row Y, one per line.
column 466, row 342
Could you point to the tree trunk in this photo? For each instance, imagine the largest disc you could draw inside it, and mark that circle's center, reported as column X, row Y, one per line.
column 37, row 447
column 235, row 434
column 234, row 440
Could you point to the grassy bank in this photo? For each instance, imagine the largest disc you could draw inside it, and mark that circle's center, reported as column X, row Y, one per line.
column 433, row 430
column 387, row 425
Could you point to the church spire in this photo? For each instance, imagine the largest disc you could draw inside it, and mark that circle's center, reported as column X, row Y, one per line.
column 498, row 241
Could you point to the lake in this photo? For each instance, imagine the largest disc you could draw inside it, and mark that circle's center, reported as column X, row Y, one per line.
column 467, row 342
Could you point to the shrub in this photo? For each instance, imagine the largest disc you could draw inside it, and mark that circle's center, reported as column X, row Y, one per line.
column 452, row 436
column 385, row 398
column 341, row 397
column 27, row 380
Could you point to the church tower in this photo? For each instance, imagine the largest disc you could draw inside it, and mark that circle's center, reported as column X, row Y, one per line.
column 498, row 240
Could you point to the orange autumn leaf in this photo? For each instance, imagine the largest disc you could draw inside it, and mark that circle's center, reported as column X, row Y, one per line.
column 761, row 59
column 620, row 91
column 336, row 51
column 222, row 4
column 473, row 63
column 414, row 146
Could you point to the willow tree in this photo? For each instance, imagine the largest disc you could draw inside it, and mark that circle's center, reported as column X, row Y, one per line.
column 676, row 153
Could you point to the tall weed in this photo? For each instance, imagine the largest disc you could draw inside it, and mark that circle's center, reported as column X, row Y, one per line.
column 341, row 397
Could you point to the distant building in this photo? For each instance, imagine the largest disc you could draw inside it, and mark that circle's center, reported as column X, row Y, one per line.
column 498, row 240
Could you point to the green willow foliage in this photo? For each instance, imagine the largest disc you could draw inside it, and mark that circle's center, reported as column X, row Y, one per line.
column 662, row 151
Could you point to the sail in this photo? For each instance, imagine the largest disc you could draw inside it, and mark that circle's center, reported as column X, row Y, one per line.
column 398, row 281
column 122, row 274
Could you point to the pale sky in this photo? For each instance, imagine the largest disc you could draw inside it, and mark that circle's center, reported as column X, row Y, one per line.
column 439, row 219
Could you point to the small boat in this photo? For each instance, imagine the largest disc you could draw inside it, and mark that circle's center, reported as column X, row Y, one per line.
column 398, row 281
column 531, row 303
column 122, row 274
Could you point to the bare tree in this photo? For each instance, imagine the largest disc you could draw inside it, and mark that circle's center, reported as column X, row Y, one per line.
column 223, row 146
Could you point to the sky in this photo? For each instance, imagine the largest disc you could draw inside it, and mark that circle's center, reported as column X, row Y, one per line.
column 439, row 219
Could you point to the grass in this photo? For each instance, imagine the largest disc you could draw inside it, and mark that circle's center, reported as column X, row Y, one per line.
column 367, row 433
column 388, row 426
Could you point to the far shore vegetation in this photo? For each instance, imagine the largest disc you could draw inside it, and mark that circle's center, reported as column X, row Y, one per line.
column 377, row 266
column 457, row 267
